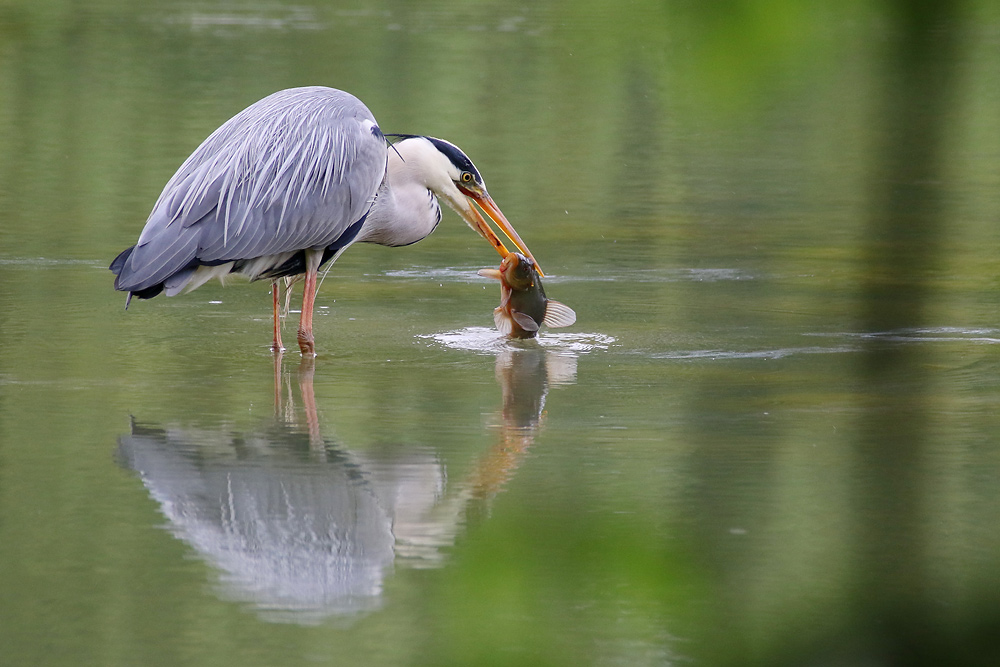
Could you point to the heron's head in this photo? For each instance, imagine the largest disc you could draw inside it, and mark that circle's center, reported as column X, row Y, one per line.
column 449, row 173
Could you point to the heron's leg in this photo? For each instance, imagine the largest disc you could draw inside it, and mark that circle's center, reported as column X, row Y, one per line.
column 276, row 346
column 306, row 344
column 306, row 341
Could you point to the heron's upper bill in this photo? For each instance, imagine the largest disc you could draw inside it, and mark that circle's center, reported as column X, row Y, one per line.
column 486, row 202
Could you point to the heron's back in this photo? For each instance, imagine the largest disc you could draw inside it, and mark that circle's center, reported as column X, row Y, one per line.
column 290, row 172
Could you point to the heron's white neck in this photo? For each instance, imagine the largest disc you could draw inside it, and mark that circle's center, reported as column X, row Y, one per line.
column 406, row 209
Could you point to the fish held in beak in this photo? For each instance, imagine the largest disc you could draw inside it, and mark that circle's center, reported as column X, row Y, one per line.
column 523, row 305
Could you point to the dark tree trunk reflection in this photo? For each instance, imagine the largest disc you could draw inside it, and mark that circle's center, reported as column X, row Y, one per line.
column 898, row 622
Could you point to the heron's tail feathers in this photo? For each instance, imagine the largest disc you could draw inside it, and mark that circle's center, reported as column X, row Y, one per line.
column 118, row 263
column 119, row 267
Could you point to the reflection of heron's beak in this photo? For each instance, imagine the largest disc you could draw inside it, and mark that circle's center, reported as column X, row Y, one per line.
column 477, row 222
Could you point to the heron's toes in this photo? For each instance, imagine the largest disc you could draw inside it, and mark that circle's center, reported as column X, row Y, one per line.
column 306, row 344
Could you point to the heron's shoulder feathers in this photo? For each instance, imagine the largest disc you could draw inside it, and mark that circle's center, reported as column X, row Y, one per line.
column 292, row 171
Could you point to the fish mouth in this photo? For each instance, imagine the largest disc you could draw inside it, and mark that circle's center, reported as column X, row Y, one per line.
column 509, row 262
column 476, row 221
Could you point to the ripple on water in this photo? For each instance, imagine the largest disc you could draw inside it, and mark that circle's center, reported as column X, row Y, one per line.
column 50, row 262
column 854, row 343
column 938, row 334
column 776, row 353
column 485, row 340
column 464, row 274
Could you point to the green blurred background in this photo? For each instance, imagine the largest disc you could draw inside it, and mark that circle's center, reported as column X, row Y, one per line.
column 771, row 438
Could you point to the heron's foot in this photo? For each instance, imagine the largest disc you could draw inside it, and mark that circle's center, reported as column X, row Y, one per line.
column 306, row 344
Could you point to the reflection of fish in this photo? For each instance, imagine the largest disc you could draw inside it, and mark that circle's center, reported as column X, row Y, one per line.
column 303, row 528
column 523, row 306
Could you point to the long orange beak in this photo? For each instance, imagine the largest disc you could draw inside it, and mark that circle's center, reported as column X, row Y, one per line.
column 496, row 215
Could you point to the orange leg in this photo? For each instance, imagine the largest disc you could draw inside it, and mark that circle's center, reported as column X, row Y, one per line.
column 306, row 341
column 276, row 345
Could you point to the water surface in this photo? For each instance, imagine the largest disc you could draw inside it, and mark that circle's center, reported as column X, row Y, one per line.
column 770, row 438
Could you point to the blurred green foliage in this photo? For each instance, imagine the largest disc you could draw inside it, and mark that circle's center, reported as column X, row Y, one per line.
column 668, row 510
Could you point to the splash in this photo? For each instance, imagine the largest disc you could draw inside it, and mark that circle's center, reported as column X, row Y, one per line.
column 486, row 340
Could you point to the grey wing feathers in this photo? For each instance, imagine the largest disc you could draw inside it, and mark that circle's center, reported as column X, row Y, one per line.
column 290, row 172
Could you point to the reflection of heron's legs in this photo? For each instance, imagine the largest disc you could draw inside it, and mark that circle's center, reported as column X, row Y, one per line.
column 284, row 398
column 284, row 401
column 307, row 369
column 289, row 414
column 277, row 382
column 276, row 345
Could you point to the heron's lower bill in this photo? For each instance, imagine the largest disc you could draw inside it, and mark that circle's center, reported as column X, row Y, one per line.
column 496, row 215
column 523, row 305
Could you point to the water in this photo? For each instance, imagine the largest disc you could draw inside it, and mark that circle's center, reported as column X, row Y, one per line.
column 769, row 439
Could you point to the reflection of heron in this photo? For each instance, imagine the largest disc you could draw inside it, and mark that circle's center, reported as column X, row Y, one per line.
column 301, row 533
column 289, row 183
column 304, row 528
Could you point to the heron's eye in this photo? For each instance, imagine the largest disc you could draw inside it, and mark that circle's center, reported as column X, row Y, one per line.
column 467, row 177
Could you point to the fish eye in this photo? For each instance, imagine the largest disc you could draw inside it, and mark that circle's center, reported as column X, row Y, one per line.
column 467, row 177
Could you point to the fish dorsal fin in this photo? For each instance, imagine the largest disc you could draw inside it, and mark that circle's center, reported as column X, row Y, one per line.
column 503, row 322
column 558, row 314
column 524, row 320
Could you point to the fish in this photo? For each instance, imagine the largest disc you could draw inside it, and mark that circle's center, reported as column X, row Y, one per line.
column 523, row 305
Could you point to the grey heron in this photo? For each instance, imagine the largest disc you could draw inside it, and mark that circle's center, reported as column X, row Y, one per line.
column 288, row 184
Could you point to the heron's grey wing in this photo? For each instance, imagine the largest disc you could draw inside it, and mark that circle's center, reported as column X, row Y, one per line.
column 292, row 171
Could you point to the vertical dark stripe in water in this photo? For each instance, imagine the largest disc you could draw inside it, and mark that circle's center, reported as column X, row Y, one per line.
column 898, row 621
